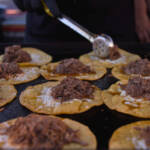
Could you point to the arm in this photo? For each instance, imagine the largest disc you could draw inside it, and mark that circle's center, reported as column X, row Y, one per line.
column 19, row 4
column 37, row 6
column 142, row 21
column 29, row 5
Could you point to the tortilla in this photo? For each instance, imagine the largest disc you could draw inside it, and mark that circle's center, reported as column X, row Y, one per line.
column 7, row 94
column 46, row 72
column 85, row 134
column 118, row 73
column 125, row 104
column 38, row 99
column 125, row 58
column 39, row 57
column 126, row 137
column 29, row 74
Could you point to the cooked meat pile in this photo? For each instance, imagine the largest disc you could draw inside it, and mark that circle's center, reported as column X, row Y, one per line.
column 15, row 54
column 141, row 67
column 42, row 132
column 9, row 69
column 72, row 66
column 114, row 53
column 72, row 88
column 144, row 134
column 138, row 88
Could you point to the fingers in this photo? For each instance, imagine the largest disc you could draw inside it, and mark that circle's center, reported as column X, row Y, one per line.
column 144, row 35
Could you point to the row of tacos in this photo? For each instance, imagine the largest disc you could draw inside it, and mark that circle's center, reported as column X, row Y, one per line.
column 67, row 93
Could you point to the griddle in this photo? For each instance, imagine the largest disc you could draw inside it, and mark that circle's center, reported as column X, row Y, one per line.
column 100, row 120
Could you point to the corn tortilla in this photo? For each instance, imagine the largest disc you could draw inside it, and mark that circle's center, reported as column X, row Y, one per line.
column 118, row 73
column 38, row 99
column 46, row 72
column 126, row 57
column 38, row 57
column 7, row 94
column 126, row 137
column 29, row 74
column 85, row 134
column 125, row 104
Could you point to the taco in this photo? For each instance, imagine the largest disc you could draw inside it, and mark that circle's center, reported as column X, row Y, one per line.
column 69, row 96
column 130, row 97
column 116, row 57
column 139, row 67
column 11, row 73
column 72, row 67
column 45, row 132
column 131, row 136
column 25, row 56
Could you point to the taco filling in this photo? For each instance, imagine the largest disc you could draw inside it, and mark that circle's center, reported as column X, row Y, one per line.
column 72, row 88
column 114, row 53
column 9, row 69
column 15, row 54
column 140, row 67
column 41, row 132
column 137, row 87
column 72, row 67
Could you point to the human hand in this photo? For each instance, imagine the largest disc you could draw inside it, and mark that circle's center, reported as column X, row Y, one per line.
column 51, row 8
column 36, row 6
column 142, row 24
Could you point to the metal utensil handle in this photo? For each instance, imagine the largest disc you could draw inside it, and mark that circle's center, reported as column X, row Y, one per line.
column 77, row 28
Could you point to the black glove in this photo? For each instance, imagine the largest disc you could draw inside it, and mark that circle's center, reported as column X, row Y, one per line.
column 37, row 6
column 29, row 5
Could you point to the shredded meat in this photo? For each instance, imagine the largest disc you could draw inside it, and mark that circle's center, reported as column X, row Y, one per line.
column 9, row 69
column 42, row 132
column 114, row 53
column 72, row 66
column 15, row 54
column 144, row 134
column 72, row 88
column 138, row 88
column 141, row 67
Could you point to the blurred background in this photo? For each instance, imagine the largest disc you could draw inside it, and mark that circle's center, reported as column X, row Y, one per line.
column 12, row 22
column 126, row 21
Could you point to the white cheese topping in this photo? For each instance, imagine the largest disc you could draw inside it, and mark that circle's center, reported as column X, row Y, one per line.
column 27, row 74
column 122, row 59
column 3, row 138
column 7, row 145
column 139, row 144
column 46, row 98
column 48, row 101
column 146, row 77
column 128, row 100
column 35, row 57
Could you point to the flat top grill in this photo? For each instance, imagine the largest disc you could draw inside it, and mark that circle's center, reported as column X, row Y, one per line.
column 100, row 120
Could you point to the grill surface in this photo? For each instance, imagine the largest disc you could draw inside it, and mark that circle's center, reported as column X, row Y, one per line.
column 100, row 120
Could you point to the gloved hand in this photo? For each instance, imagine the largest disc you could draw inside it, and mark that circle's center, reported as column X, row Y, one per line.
column 37, row 6
column 29, row 5
column 51, row 8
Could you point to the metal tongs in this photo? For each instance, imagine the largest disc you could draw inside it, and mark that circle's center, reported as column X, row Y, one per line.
column 101, row 43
